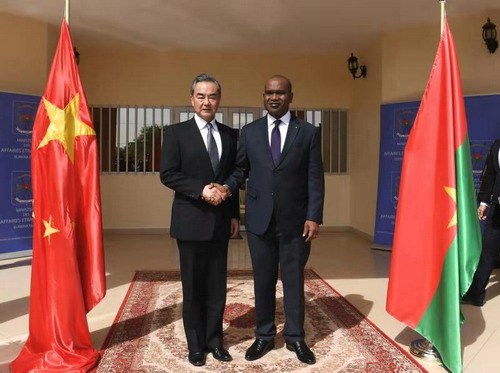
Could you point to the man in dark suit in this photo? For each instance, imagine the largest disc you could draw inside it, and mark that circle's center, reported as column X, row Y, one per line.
column 489, row 210
column 281, row 156
column 195, row 154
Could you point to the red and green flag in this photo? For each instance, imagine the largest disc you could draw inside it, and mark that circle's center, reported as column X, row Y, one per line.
column 67, row 275
column 437, row 240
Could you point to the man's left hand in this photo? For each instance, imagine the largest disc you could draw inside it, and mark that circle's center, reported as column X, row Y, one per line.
column 311, row 230
column 235, row 227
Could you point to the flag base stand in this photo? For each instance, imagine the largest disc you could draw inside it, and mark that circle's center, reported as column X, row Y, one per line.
column 424, row 349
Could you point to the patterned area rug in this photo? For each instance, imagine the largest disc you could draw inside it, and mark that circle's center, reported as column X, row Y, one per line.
column 148, row 336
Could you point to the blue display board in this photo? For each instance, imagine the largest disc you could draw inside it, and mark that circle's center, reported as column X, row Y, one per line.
column 396, row 121
column 17, row 114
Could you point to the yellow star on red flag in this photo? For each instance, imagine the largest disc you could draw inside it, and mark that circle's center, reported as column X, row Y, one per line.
column 65, row 125
column 49, row 229
column 452, row 192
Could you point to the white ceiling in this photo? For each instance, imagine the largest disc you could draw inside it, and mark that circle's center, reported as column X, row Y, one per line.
column 256, row 26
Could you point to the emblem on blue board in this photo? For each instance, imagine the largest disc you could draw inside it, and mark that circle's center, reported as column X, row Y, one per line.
column 24, row 116
column 479, row 151
column 403, row 123
column 21, row 187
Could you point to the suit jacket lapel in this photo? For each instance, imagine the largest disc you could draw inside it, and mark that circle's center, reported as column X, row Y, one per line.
column 198, row 142
column 224, row 137
column 196, row 136
column 264, row 140
column 291, row 134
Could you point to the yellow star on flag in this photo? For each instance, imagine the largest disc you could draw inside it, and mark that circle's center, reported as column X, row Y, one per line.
column 452, row 192
column 65, row 125
column 49, row 229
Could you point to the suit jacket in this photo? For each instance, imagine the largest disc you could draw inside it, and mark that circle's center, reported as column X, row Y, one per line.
column 293, row 190
column 490, row 179
column 186, row 168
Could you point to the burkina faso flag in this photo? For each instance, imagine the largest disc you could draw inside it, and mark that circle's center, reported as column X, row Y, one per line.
column 437, row 240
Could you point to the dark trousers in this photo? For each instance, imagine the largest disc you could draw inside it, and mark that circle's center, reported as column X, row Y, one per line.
column 269, row 252
column 204, row 280
column 489, row 255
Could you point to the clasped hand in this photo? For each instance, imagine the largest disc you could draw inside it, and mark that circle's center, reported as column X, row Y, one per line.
column 215, row 193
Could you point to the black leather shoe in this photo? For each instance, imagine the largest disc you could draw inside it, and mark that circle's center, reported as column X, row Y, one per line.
column 221, row 354
column 303, row 352
column 258, row 349
column 197, row 358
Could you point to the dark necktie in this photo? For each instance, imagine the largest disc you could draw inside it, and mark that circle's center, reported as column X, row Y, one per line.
column 212, row 148
column 276, row 142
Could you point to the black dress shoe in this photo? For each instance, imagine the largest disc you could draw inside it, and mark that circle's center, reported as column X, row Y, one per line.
column 197, row 358
column 303, row 352
column 221, row 354
column 258, row 349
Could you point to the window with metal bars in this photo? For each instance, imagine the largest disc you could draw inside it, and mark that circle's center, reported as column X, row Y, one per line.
column 130, row 137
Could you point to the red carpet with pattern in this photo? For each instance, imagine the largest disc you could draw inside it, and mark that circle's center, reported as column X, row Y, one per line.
column 148, row 336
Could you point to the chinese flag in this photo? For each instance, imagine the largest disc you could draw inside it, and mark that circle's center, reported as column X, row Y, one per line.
column 67, row 278
column 437, row 240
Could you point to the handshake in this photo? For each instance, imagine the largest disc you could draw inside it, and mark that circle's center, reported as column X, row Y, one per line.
column 215, row 194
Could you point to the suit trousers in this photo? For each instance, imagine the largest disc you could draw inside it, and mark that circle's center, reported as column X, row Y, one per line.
column 489, row 255
column 204, row 279
column 289, row 253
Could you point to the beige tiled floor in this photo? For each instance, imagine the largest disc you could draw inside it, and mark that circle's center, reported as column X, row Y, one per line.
column 343, row 259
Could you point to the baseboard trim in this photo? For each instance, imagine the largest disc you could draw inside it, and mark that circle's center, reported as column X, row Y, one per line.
column 377, row 246
column 137, row 230
column 16, row 254
column 362, row 234
column 345, row 228
column 338, row 228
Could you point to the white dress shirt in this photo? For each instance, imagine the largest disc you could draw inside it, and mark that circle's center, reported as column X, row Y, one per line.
column 203, row 127
column 283, row 127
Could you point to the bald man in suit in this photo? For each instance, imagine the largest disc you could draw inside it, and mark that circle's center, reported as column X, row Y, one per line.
column 281, row 156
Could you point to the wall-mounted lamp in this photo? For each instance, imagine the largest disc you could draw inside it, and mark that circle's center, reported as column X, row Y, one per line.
column 353, row 66
column 77, row 55
column 490, row 36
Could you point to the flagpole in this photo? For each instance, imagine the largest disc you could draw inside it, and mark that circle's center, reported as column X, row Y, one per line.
column 443, row 12
column 66, row 13
column 421, row 347
column 424, row 349
column 73, row 258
